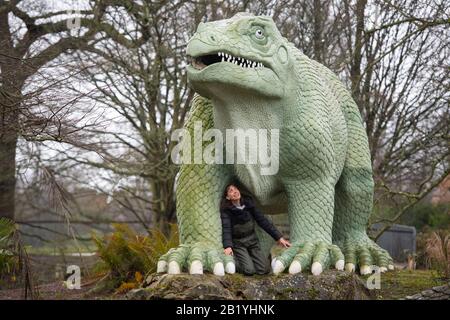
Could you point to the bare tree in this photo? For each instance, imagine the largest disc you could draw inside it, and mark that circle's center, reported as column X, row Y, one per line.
column 399, row 77
column 394, row 57
column 145, row 85
column 31, row 37
column 27, row 43
column 129, row 65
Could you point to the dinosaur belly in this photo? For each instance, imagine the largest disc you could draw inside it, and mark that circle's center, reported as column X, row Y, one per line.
column 251, row 139
column 266, row 189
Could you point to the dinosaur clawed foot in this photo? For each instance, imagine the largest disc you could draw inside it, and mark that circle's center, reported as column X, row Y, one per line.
column 196, row 258
column 366, row 255
column 315, row 256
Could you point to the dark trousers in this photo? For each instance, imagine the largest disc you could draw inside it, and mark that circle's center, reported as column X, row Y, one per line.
column 248, row 255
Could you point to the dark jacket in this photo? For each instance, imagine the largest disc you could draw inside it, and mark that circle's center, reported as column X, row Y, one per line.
column 231, row 216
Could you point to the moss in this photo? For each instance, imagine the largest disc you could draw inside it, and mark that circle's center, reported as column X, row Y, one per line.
column 152, row 292
column 284, row 293
column 280, row 295
column 399, row 284
column 236, row 281
column 313, row 294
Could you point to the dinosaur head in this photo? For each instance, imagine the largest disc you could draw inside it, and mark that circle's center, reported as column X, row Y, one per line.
column 244, row 54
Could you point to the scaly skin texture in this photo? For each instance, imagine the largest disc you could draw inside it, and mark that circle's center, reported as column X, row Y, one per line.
column 199, row 187
column 324, row 181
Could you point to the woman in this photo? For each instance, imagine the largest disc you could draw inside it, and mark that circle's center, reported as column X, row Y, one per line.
column 238, row 216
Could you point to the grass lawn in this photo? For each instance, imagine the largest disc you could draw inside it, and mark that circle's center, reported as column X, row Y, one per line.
column 61, row 249
column 401, row 283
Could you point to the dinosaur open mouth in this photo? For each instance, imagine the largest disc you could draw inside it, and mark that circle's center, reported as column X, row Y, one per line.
column 201, row 62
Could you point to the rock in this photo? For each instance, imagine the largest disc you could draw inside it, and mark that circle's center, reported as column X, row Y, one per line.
column 182, row 287
column 137, row 294
column 336, row 285
column 435, row 293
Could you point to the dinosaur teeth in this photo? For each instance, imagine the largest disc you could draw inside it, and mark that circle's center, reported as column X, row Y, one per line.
column 240, row 61
column 201, row 62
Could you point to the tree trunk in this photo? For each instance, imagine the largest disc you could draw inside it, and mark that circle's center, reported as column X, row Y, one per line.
column 10, row 99
column 355, row 70
column 8, row 143
column 162, row 205
column 318, row 30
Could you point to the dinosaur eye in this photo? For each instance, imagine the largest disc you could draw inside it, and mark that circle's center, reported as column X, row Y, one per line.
column 259, row 34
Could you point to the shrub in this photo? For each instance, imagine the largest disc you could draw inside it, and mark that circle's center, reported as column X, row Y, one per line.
column 421, row 244
column 9, row 261
column 126, row 255
column 425, row 215
column 127, row 286
column 438, row 252
column 15, row 267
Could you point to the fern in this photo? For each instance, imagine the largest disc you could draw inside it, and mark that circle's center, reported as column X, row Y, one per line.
column 7, row 228
column 125, row 254
column 14, row 261
column 8, row 260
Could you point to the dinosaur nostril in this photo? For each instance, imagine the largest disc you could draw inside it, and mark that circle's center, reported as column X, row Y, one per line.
column 213, row 39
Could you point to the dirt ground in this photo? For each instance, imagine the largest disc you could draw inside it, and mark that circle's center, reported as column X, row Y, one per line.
column 48, row 276
column 51, row 291
column 58, row 290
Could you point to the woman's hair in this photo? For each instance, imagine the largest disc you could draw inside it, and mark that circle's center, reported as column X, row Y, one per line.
column 225, row 203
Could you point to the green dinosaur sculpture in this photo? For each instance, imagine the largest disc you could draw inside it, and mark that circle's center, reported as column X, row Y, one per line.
column 247, row 75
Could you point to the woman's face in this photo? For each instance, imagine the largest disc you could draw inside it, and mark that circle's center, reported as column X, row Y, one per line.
column 233, row 193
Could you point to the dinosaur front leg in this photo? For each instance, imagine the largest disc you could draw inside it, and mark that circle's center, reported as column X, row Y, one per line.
column 354, row 194
column 310, row 209
column 354, row 201
column 199, row 190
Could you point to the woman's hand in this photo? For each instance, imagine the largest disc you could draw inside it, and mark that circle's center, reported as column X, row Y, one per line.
column 284, row 242
column 228, row 251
